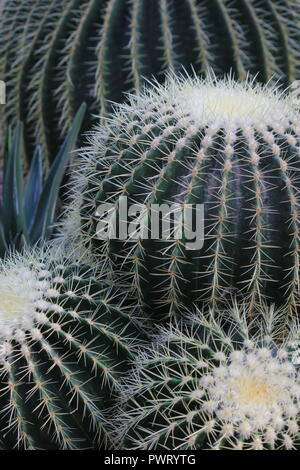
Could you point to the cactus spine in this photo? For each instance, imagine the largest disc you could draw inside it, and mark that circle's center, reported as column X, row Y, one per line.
column 55, row 55
column 233, row 148
column 65, row 341
column 212, row 384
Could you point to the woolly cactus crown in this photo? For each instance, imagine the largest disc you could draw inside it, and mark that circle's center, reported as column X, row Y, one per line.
column 65, row 340
column 28, row 288
column 234, row 148
column 214, row 384
column 219, row 103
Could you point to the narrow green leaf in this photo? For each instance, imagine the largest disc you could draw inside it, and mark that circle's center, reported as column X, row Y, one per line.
column 3, row 243
column 7, row 149
column 9, row 207
column 19, row 242
column 18, row 182
column 42, row 226
column 33, row 187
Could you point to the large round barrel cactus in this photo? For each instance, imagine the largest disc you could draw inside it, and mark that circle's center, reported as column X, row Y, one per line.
column 214, row 385
column 65, row 341
column 56, row 54
column 227, row 149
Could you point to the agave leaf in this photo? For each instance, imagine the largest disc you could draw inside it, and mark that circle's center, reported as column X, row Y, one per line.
column 19, row 242
column 42, row 226
column 12, row 213
column 33, row 187
column 18, row 187
column 7, row 197
column 3, row 243
column 8, row 145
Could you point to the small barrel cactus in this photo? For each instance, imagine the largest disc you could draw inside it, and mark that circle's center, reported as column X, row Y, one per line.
column 214, row 384
column 56, row 54
column 65, row 340
column 231, row 149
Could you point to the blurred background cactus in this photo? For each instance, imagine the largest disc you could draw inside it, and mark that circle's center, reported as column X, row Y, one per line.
column 230, row 148
column 56, row 54
column 65, row 341
column 212, row 384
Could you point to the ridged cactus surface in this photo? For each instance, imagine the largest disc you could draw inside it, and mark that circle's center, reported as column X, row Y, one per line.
column 65, row 341
column 232, row 148
column 213, row 384
column 56, row 54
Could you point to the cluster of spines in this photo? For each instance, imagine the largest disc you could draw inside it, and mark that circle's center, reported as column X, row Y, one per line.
column 247, row 179
column 82, row 51
column 167, row 404
column 59, row 376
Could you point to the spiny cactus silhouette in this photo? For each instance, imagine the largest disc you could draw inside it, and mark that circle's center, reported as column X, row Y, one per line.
column 232, row 148
column 65, row 341
column 214, row 384
column 57, row 54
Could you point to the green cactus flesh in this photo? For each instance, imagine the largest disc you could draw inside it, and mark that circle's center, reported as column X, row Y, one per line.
column 233, row 148
column 56, row 54
column 65, row 341
column 214, row 385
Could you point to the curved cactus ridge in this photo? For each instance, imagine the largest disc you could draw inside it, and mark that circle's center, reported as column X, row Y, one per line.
column 212, row 383
column 65, row 341
column 55, row 55
column 229, row 149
